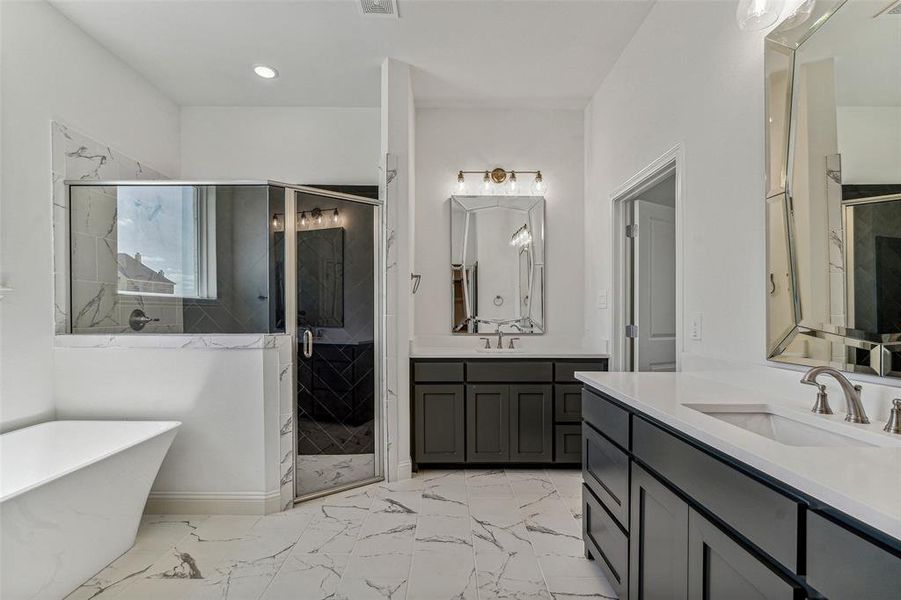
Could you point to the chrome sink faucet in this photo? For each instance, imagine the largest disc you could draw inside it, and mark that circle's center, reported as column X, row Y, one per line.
column 500, row 338
column 856, row 412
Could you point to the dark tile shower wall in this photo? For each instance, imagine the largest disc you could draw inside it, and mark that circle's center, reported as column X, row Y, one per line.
column 877, row 267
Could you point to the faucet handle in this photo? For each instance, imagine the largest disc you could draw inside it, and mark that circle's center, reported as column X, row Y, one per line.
column 487, row 343
column 821, row 406
column 894, row 418
column 511, row 346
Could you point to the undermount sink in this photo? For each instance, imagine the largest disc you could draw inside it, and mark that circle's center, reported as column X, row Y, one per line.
column 790, row 427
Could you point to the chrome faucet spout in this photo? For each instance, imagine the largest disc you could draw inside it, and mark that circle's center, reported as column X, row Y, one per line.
column 500, row 337
column 856, row 412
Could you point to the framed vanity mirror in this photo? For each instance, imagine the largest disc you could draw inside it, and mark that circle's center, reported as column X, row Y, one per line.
column 497, row 264
column 833, row 206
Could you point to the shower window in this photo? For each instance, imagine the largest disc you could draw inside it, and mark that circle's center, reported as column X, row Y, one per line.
column 166, row 241
column 175, row 258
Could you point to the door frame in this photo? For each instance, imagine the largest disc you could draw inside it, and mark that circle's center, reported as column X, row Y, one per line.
column 671, row 161
column 379, row 331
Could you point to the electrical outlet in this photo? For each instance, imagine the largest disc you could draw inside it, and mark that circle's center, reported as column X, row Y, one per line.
column 602, row 299
column 694, row 330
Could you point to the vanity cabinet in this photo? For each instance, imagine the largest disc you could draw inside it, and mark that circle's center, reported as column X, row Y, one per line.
column 497, row 410
column 700, row 524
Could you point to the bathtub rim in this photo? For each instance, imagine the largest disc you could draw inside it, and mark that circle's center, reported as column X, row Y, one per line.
column 166, row 427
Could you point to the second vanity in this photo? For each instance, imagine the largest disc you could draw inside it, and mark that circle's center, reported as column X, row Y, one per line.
column 698, row 489
column 501, row 407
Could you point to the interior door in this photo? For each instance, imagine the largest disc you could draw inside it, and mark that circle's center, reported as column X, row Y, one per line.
column 654, row 272
column 337, row 355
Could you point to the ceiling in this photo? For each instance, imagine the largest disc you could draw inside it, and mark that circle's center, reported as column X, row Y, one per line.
column 479, row 53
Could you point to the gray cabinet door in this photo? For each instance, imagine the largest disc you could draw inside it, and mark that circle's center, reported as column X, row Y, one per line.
column 487, row 423
column 658, row 561
column 440, row 428
column 720, row 569
column 531, row 423
column 568, row 402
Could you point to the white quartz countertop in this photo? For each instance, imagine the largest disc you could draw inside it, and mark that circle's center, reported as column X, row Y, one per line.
column 451, row 352
column 863, row 482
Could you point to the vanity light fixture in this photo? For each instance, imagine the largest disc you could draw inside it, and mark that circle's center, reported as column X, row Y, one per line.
column 265, row 71
column 501, row 181
column 317, row 217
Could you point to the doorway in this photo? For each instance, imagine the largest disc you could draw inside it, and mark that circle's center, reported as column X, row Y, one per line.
column 338, row 350
column 647, row 266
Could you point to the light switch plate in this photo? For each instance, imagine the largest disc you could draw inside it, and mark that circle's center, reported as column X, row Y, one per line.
column 694, row 330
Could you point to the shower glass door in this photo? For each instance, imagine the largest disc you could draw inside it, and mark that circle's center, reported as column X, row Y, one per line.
column 337, row 341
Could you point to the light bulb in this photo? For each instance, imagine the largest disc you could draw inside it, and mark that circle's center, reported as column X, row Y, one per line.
column 800, row 15
column 753, row 15
column 275, row 222
column 319, row 219
column 513, row 185
column 303, row 219
column 461, row 183
column 539, row 187
column 335, row 216
column 486, row 183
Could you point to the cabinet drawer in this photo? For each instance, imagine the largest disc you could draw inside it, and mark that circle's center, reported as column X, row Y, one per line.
column 438, row 371
column 568, row 443
column 843, row 566
column 509, row 372
column 605, row 542
column 764, row 516
column 605, row 469
column 568, row 403
column 606, row 417
column 563, row 371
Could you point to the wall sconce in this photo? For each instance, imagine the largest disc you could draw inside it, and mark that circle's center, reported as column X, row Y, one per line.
column 492, row 181
column 753, row 15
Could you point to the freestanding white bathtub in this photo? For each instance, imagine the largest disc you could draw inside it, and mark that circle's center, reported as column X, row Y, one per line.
column 71, row 498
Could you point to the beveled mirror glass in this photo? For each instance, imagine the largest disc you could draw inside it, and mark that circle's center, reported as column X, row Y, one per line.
column 833, row 76
column 497, row 264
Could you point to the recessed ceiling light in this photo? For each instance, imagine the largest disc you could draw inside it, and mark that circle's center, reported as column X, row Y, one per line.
column 265, row 72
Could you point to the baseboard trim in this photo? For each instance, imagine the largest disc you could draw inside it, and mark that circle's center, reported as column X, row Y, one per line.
column 404, row 470
column 213, row 503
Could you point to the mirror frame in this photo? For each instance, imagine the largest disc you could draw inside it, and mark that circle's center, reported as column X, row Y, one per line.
column 458, row 200
column 780, row 48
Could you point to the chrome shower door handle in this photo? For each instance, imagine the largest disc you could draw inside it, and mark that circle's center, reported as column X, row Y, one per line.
column 308, row 343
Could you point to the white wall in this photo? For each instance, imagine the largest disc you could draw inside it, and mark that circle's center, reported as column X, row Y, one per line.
column 688, row 77
column 225, row 454
column 398, row 134
column 289, row 144
column 51, row 70
column 448, row 140
column 869, row 139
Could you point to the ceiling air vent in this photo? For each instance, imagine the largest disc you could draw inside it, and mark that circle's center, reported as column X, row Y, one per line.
column 379, row 8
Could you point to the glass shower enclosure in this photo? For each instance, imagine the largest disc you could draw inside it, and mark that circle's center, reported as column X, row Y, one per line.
column 181, row 257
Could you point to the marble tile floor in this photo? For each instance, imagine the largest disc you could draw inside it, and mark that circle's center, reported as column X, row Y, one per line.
column 461, row 535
